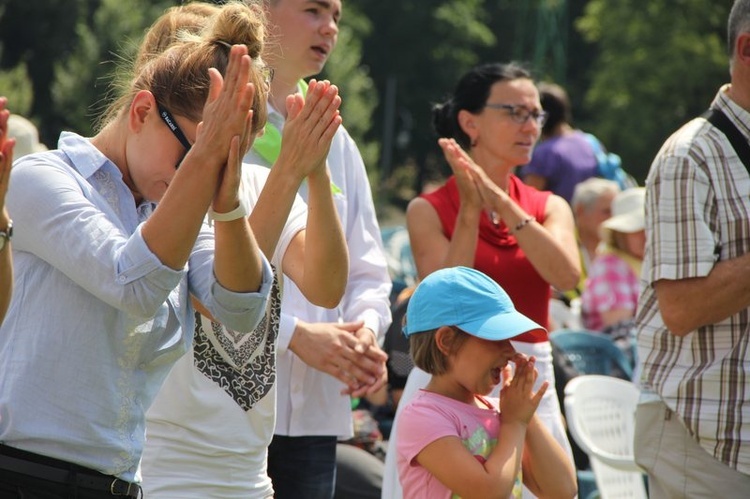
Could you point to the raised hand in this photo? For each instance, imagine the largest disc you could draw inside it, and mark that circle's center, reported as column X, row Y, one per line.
column 227, row 115
column 518, row 401
column 493, row 198
column 228, row 193
column 309, row 129
column 6, row 151
column 461, row 165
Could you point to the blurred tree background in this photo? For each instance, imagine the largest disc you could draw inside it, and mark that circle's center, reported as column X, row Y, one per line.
column 635, row 69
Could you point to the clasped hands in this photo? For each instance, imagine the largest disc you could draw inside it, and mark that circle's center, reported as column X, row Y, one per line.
column 347, row 351
column 476, row 189
column 225, row 132
column 518, row 400
column 310, row 125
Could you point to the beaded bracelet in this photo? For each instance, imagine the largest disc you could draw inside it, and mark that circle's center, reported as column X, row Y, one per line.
column 523, row 224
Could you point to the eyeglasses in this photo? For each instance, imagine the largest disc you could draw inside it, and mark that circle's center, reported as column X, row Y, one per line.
column 521, row 114
column 167, row 117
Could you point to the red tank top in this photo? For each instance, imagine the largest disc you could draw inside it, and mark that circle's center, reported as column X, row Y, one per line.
column 498, row 254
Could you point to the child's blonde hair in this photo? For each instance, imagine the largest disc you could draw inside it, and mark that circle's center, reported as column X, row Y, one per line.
column 427, row 354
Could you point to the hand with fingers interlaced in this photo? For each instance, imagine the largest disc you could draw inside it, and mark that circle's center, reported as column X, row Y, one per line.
column 346, row 350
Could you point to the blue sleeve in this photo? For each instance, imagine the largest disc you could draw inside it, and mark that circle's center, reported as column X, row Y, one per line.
column 62, row 221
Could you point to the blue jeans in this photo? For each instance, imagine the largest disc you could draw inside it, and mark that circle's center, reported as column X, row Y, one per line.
column 302, row 467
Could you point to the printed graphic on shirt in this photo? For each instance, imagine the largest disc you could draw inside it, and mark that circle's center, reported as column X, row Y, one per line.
column 480, row 445
column 244, row 365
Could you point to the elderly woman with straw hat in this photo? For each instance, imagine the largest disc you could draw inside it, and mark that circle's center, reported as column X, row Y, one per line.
column 611, row 292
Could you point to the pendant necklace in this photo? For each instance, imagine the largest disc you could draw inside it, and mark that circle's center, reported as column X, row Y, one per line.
column 495, row 218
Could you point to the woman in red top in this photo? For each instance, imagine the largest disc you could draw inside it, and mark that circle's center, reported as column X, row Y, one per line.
column 486, row 218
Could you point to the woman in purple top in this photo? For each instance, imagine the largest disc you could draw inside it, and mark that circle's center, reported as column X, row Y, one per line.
column 564, row 156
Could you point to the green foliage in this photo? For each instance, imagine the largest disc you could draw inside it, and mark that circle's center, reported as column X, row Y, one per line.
column 15, row 85
column 635, row 69
column 107, row 41
column 35, row 34
column 75, row 47
column 660, row 63
column 75, row 77
column 463, row 16
column 421, row 47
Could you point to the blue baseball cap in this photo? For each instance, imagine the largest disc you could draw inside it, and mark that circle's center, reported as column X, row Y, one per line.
column 468, row 299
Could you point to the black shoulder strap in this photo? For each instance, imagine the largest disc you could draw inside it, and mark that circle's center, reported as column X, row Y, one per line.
column 739, row 142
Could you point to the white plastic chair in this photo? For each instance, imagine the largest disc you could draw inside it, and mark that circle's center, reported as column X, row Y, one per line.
column 600, row 412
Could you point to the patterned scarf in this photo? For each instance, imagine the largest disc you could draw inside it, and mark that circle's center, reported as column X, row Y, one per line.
column 243, row 365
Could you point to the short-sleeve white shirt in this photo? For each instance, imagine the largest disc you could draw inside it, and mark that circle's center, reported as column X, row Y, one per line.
column 200, row 442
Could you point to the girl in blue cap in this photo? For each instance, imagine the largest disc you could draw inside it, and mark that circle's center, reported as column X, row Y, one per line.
column 453, row 441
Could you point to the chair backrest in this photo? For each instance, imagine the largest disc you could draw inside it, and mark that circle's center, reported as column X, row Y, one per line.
column 397, row 250
column 600, row 411
column 592, row 352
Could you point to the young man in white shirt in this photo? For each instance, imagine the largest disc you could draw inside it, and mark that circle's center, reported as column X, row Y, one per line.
column 325, row 356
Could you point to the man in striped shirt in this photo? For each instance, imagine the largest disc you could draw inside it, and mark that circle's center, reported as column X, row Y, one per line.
column 693, row 420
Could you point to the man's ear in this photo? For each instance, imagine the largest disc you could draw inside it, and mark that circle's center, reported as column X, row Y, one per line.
column 444, row 340
column 143, row 103
column 468, row 124
column 742, row 49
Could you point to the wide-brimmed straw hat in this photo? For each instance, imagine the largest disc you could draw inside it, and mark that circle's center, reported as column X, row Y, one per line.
column 628, row 212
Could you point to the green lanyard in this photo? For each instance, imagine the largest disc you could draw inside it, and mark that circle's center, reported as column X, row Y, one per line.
column 268, row 146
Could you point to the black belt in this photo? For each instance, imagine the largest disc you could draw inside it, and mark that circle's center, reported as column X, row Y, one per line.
column 25, row 463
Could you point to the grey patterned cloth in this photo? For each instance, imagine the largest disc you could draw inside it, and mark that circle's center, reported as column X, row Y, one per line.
column 244, row 365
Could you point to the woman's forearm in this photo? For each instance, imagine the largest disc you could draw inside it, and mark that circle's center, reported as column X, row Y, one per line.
column 549, row 246
column 326, row 254
column 238, row 263
column 270, row 213
column 170, row 232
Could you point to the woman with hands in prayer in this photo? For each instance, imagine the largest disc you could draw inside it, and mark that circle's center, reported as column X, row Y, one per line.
column 213, row 419
column 110, row 246
column 484, row 217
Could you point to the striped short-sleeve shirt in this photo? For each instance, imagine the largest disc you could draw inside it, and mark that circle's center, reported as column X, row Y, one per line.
column 697, row 214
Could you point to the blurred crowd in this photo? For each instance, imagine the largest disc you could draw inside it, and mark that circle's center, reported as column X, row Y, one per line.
column 199, row 300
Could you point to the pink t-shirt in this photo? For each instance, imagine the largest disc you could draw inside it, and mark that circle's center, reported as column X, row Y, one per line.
column 429, row 417
column 611, row 284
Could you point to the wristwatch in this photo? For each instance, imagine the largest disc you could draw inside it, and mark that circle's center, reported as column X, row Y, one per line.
column 6, row 235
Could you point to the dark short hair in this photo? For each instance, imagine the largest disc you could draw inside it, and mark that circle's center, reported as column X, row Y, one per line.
column 555, row 102
column 471, row 94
